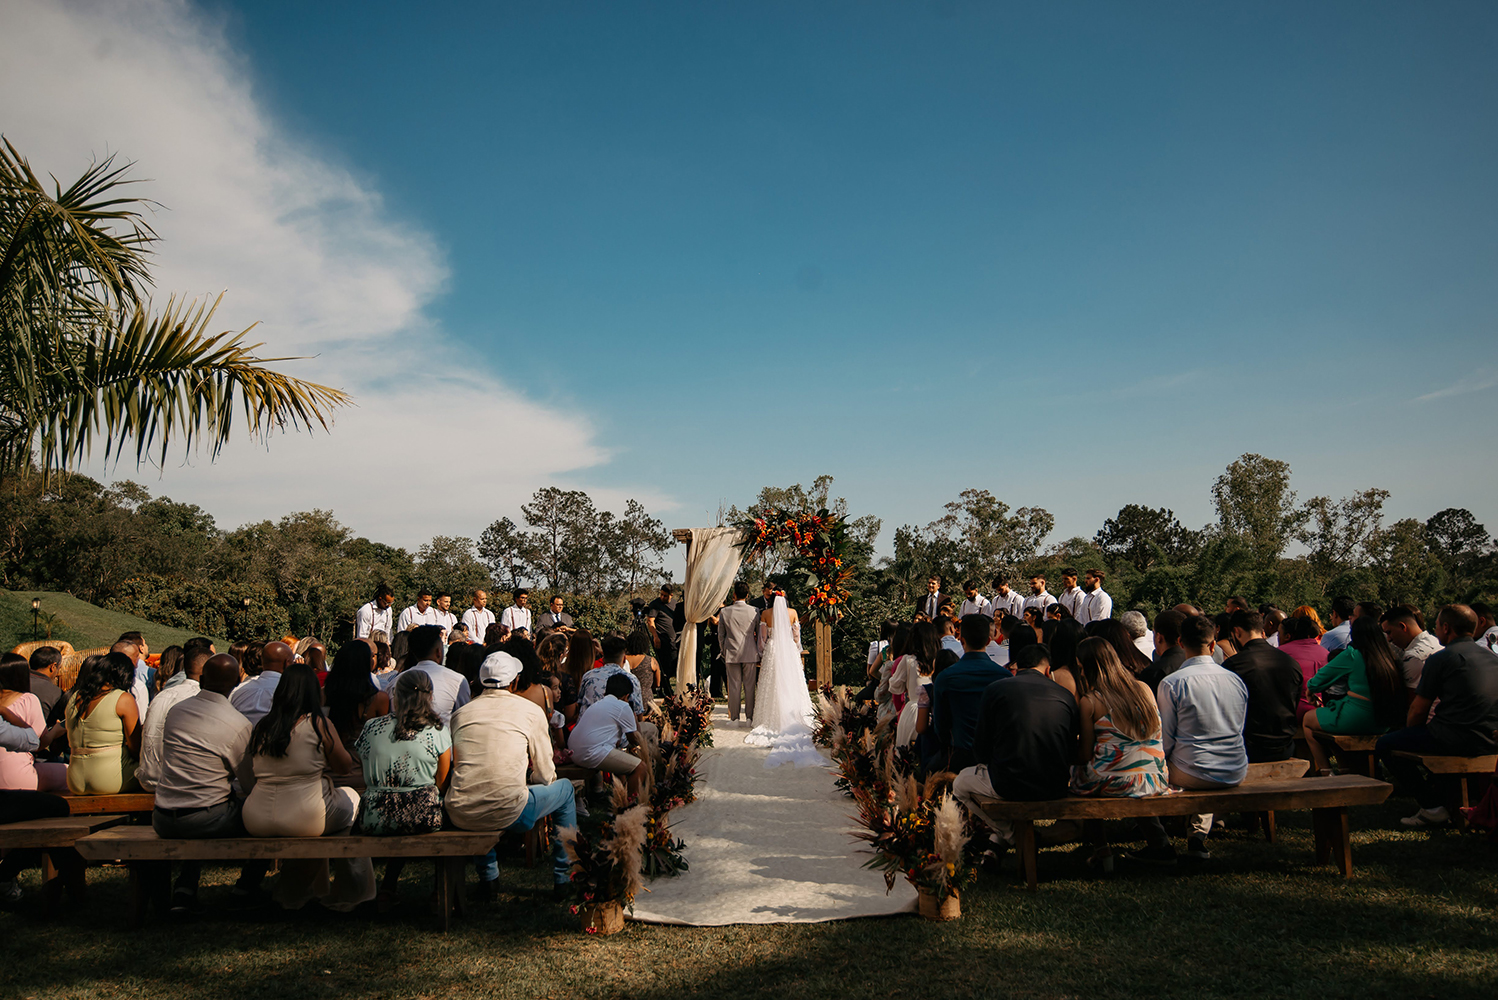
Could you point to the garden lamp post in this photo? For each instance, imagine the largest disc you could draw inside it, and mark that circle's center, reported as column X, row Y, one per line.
column 36, row 610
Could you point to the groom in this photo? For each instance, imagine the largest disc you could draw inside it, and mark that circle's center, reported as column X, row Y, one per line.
column 738, row 635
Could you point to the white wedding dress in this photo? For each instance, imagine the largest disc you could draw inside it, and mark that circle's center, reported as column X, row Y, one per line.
column 783, row 712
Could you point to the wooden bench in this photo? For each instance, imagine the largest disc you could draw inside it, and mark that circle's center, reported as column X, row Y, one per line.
column 1327, row 798
column 1276, row 770
column 1356, row 752
column 53, row 832
column 129, row 802
column 139, row 847
column 1466, row 769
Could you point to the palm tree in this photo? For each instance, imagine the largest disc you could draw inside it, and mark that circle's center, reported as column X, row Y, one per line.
column 83, row 358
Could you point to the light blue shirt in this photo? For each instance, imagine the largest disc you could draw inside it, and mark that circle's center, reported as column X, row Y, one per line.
column 1202, row 711
column 1337, row 638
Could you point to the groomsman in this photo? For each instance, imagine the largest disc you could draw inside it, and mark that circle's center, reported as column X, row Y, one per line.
column 1005, row 601
column 766, row 601
column 478, row 618
column 975, row 603
column 555, row 619
column 1039, row 598
column 518, row 615
column 929, row 603
column 445, row 617
column 420, row 613
column 1071, row 596
column 375, row 616
column 1098, row 606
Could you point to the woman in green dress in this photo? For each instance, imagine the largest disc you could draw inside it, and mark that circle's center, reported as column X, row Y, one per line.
column 1374, row 703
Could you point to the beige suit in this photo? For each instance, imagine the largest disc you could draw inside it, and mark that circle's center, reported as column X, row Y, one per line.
column 738, row 635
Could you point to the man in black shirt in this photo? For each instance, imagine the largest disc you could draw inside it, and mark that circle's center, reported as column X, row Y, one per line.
column 1168, row 652
column 1461, row 680
column 661, row 617
column 43, row 665
column 1028, row 727
column 1274, row 683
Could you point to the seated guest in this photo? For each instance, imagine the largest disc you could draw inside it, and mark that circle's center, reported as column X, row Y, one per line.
column 1063, row 636
column 292, row 751
column 1024, row 737
column 590, row 686
column 202, row 750
column 177, row 686
column 19, row 770
column 1117, row 634
column 1168, row 652
column 407, row 758
column 168, row 665
column 1300, row 640
column 1335, row 639
column 350, row 694
column 449, row 688
column 909, row 679
column 1461, row 681
column 1274, row 689
column 1138, row 628
column 1273, row 616
column 1202, row 712
column 253, row 698
column 44, row 664
column 956, row 694
column 497, row 738
column 601, row 731
column 1405, row 628
column 946, row 631
column 103, row 728
column 1374, row 700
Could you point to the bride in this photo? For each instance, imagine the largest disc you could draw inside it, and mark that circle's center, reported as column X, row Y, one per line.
column 782, row 706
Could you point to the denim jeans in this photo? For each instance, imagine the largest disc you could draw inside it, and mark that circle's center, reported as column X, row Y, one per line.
column 1432, row 792
column 555, row 800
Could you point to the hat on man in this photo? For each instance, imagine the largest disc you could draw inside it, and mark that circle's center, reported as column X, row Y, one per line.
column 499, row 670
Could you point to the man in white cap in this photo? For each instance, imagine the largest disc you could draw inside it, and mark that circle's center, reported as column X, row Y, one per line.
column 496, row 738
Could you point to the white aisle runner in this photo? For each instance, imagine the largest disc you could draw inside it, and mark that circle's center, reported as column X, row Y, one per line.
column 766, row 846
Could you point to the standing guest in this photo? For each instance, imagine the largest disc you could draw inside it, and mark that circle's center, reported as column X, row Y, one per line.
column 738, row 632
column 660, row 618
column 518, row 615
column 1301, row 642
column 1202, row 713
column 1337, row 637
column 44, row 664
column 1005, row 601
column 1072, row 596
column 1486, row 633
column 253, row 698
column 1374, row 702
column 1274, row 684
column 497, row 739
column 478, row 617
column 928, row 605
column 880, row 672
column 1098, row 606
column 956, row 694
column 1461, row 682
column 1138, row 627
column 178, row 687
column 293, row 752
column 19, row 770
column 644, row 666
column 554, row 619
column 1039, row 597
column 1025, row 732
column 420, row 613
column 375, row 614
column 350, row 694
column 1168, row 652
column 406, row 758
column 203, row 751
column 444, row 608
column 103, row 726
column 973, row 602
column 450, row 689
column 602, row 728
column 1405, row 628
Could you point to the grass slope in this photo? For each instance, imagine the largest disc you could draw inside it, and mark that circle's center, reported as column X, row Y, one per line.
column 85, row 625
column 1419, row 918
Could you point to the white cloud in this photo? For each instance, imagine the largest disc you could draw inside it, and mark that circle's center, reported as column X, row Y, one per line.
column 1482, row 378
column 305, row 248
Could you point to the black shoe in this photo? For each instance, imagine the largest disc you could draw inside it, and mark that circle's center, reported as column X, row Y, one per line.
column 185, row 903
column 484, row 891
column 1163, row 857
column 1196, row 849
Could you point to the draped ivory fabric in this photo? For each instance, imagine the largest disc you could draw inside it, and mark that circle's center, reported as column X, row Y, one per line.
column 713, row 560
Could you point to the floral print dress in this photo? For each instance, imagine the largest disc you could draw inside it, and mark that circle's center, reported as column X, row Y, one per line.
column 1121, row 767
column 400, row 778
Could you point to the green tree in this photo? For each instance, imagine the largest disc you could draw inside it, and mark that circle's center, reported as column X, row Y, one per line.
column 1255, row 503
column 505, row 549
column 1144, row 536
column 564, row 520
column 449, row 565
column 82, row 356
column 1339, row 534
column 635, row 547
column 1463, row 546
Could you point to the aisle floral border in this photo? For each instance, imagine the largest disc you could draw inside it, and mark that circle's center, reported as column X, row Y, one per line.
column 820, row 538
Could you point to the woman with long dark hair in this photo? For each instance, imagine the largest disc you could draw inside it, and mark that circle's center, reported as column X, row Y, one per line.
column 350, row 693
column 1374, row 703
column 1116, row 635
column 103, row 724
column 910, row 680
column 1062, row 638
column 553, row 654
column 580, row 656
column 167, row 667
column 292, row 752
column 640, row 661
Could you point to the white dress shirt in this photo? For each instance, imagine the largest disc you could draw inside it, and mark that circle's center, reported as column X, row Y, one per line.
column 446, row 619
column 1072, row 599
column 1489, row 640
column 928, row 605
column 976, row 606
column 516, row 617
column 954, row 644
column 252, row 698
column 1098, row 607
column 177, row 689
column 1041, row 600
column 998, row 652
column 1012, row 603
column 138, row 689
column 478, row 622
column 411, row 617
column 449, row 689
column 1146, row 644
column 372, row 618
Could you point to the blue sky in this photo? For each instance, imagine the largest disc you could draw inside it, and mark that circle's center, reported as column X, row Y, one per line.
column 1078, row 254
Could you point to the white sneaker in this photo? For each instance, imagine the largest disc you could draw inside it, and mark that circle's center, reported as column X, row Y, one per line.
column 1439, row 816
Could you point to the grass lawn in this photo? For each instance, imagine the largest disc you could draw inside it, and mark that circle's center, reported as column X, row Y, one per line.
column 85, row 625
column 1418, row 919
